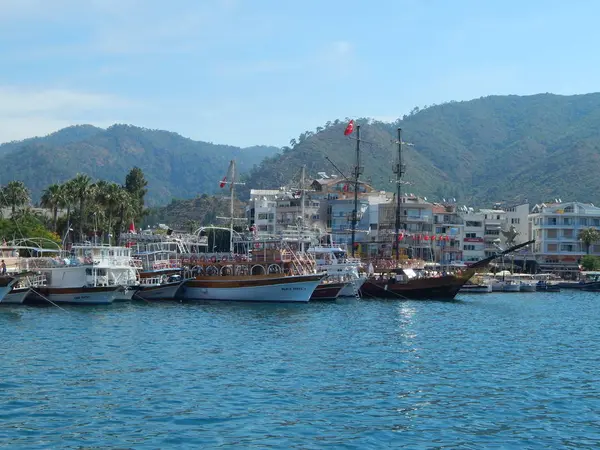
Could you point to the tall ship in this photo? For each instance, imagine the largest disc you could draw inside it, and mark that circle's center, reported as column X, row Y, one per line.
column 255, row 271
column 398, row 281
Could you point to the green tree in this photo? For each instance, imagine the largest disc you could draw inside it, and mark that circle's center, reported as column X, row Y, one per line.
column 82, row 187
column 135, row 184
column 15, row 194
column 590, row 262
column 588, row 236
column 52, row 198
column 127, row 208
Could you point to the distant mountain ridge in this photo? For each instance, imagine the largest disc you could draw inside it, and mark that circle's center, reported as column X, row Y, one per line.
column 176, row 167
column 498, row 148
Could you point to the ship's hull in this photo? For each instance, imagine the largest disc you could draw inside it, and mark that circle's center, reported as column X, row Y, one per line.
column 16, row 296
column 126, row 293
column 252, row 289
column 441, row 288
column 475, row 289
column 166, row 291
column 328, row 291
column 348, row 290
column 75, row 296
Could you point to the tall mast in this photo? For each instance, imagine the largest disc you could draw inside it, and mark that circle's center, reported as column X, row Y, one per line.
column 302, row 209
column 232, row 188
column 357, row 172
column 399, row 171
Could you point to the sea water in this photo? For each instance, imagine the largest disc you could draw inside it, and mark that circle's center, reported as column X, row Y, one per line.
column 485, row 371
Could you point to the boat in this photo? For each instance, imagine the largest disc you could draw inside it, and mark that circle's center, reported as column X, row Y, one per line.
column 160, row 288
column 7, row 283
column 470, row 288
column 114, row 265
column 328, row 290
column 61, row 277
column 23, row 288
column 544, row 286
column 333, row 260
column 404, row 283
column 161, row 273
column 267, row 271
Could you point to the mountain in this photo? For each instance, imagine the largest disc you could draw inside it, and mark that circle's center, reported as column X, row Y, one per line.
column 176, row 167
column 498, row 148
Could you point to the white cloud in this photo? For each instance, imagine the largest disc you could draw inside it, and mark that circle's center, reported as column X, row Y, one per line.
column 33, row 112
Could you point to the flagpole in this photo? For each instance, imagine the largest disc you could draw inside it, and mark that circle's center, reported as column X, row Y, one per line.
column 357, row 172
column 399, row 171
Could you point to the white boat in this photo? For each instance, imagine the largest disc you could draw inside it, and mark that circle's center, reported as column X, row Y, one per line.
column 160, row 288
column 161, row 270
column 334, row 261
column 113, row 266
column 66, row 279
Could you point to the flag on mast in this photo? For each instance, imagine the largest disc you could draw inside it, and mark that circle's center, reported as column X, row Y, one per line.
column 223, row 182
column 349, row 128
column 132, row 227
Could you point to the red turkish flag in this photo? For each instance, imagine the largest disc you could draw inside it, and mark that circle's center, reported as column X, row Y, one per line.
column 349, row 128
column 223, row 182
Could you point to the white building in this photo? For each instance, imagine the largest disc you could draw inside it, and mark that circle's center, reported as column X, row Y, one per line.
column 555, row 228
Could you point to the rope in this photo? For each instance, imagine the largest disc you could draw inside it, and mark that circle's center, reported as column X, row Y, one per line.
column 47, row 299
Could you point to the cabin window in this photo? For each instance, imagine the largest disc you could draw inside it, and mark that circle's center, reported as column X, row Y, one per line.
column 551, row 220
column 552, row 247
column 551, row 234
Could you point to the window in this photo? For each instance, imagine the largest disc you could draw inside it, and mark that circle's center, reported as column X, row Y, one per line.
column 472, row 223
column 551, row 234
column 515, row 221
column 468, row 247
column 471, row 235
column 569, row 209
column 566, row 247
column 551, row 220
column 552, row 247
column 567, row 221
column 583, row 221
column 596, row 222
column 262, row 216
column 568, row 233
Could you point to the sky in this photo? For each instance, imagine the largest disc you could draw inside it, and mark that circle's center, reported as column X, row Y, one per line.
column 249, row 72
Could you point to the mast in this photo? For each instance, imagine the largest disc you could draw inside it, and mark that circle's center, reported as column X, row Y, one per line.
column 232, row 188
column 357, row 172
column 399, row 171
column 302, row 209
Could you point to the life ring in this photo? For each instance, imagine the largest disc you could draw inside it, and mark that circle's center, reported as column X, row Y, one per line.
column 213, row 259
column 256, row 245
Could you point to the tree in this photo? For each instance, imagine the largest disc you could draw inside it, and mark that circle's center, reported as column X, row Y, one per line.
column 293, row 143
column 135, row 184
column 68, row 200
column 52, row 199
column 82, row 185
column 126, row 206
column 15, row 194
column 590, row 262
column 588, row 236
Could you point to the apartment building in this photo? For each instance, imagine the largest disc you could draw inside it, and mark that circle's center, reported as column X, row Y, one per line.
column 555, row 228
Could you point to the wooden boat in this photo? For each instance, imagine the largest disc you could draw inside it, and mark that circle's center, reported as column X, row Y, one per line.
column 426, row 288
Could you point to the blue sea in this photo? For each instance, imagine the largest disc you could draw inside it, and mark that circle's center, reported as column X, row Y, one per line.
column 485, row 371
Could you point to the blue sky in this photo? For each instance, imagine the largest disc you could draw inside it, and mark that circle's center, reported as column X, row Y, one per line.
column 248, row 72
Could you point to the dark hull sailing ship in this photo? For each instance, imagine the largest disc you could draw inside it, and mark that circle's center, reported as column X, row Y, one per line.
column 399, row 284
column 429, row 288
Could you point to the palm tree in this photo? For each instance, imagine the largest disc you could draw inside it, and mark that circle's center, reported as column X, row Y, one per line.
column 15, row 194
column 52, row 198
column 82, row 187
column 107, row 196
column 127, row 208
column 68, row 199
column 588, row 236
